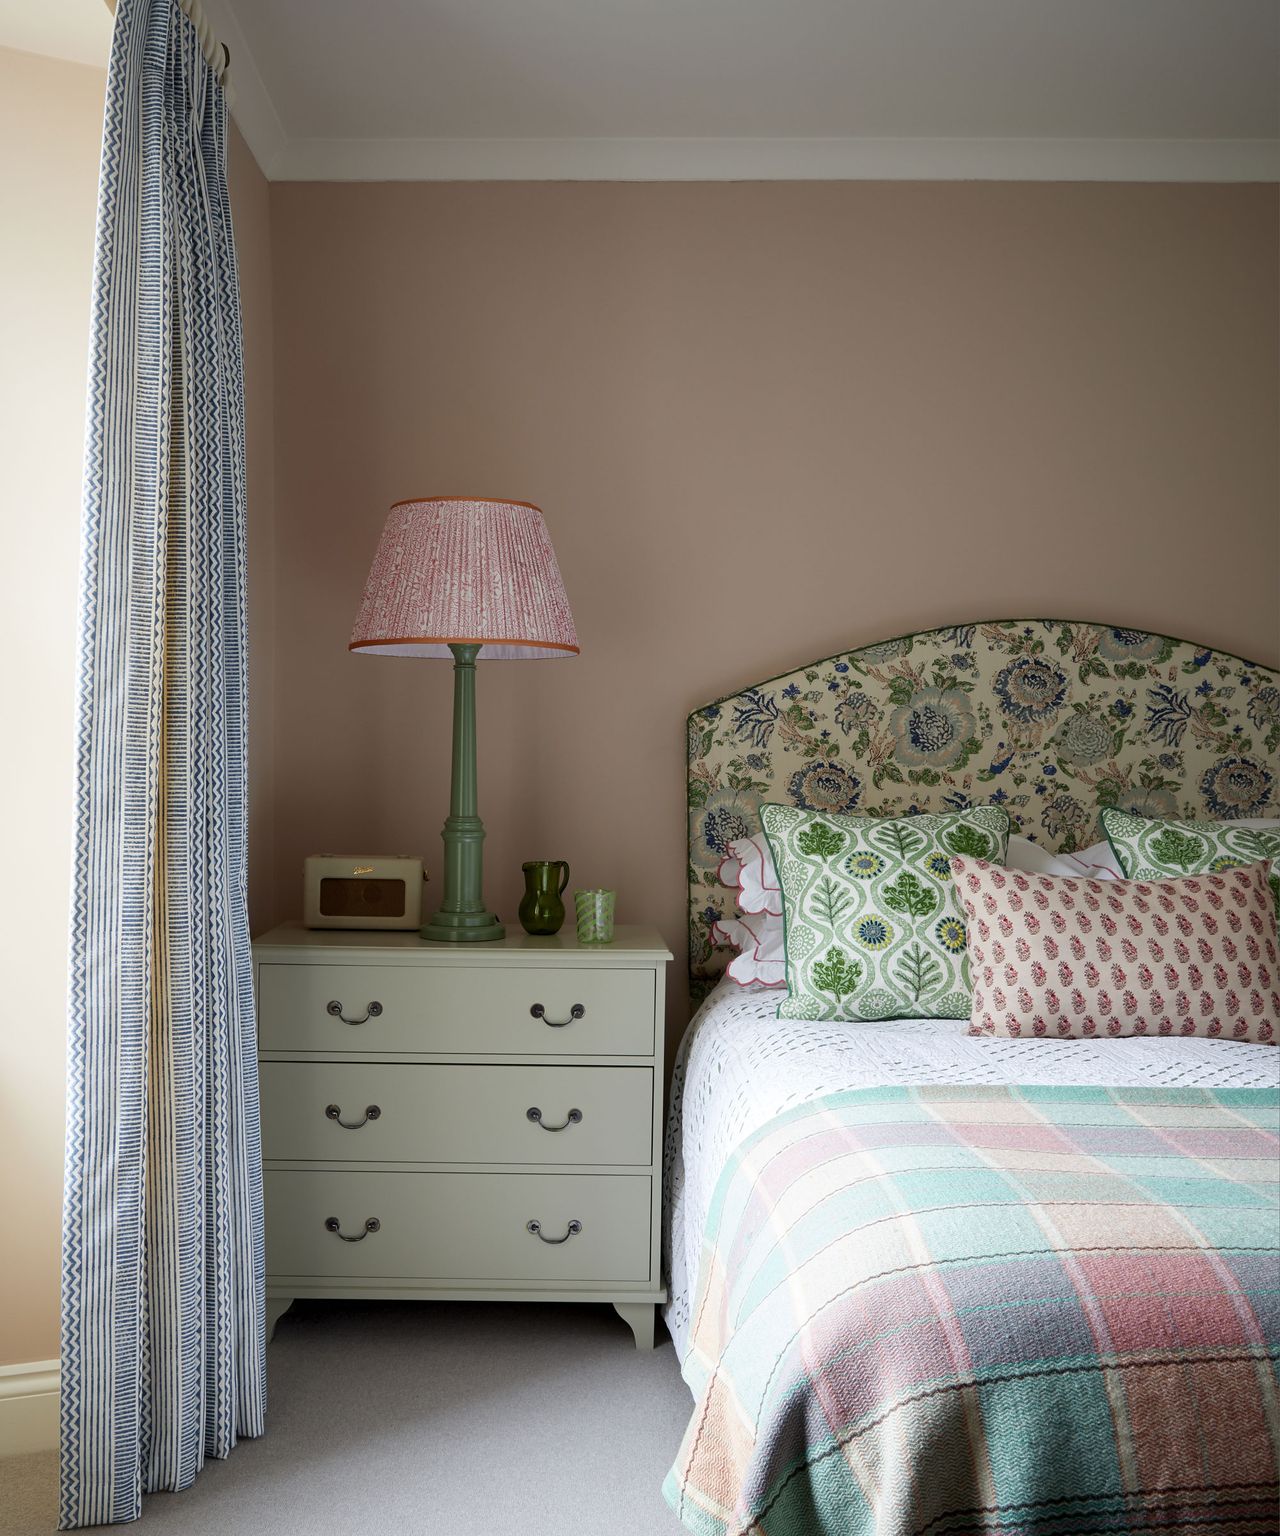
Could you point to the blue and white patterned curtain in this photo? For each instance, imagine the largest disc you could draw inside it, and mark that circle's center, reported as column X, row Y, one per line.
column 162, row 1304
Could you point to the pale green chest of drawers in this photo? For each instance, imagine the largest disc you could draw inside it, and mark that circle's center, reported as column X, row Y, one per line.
column 481, row 1121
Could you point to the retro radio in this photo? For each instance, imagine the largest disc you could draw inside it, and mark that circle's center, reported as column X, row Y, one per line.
column 362, row 891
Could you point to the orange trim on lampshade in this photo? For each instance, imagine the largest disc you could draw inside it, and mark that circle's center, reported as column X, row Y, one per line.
column 538, row 645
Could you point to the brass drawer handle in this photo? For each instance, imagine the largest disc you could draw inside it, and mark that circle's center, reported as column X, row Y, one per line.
column 535, row 1114
column 536, row 1228
column 333, row 1112
column 578, row 1011
column 372, row 1012
column 332, row 1224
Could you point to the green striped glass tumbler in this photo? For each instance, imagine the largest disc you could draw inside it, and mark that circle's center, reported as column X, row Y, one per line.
column 595, row 916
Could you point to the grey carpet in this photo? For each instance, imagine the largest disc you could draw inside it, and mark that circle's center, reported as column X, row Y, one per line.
column 427, row 1419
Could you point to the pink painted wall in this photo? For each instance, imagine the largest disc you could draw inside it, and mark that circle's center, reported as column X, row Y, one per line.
column 765, row 422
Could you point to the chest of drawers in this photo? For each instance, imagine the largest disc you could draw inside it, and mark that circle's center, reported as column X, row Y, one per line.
column 479, row 1121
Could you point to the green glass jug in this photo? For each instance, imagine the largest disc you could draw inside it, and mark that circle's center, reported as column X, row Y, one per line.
column 541, row 910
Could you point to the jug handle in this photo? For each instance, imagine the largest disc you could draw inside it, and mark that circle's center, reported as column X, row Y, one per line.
column 564, row 879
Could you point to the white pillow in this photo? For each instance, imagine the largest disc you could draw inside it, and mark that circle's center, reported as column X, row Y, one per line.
column 756, row 933
column 761, row 957
column 748, row 869
column 1097, row 862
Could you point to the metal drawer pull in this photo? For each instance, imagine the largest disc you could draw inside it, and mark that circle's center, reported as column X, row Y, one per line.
column 535, row 1114
column 333, row 1112
column 536, row 1228
column 578, row 1011
column 372, row 1012
column 332, row 1224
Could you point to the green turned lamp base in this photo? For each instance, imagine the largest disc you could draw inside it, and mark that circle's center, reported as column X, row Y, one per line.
column 463, row 928
column 463, row 917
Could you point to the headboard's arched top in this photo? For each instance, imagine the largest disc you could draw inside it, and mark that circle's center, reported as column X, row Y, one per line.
column 1051, row 718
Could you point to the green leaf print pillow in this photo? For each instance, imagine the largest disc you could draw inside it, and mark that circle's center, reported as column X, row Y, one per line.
column 873, row 925
column 1153, row 848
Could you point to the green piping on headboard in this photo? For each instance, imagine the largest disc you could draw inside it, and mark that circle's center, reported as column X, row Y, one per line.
column 1054, row 719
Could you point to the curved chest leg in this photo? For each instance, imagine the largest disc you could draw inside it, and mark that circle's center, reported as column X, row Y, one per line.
column 639, row 1317
column 277, row 1306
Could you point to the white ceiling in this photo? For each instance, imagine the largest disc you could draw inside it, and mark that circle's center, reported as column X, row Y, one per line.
column 691, row 89
column 393, row 69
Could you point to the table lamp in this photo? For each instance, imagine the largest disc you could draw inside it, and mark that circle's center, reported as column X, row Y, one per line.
column 465, row 578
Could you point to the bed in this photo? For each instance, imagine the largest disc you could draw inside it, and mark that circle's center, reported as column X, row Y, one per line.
column 923, row 1281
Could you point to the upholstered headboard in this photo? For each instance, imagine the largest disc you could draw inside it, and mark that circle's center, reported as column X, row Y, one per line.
column 1050, row 718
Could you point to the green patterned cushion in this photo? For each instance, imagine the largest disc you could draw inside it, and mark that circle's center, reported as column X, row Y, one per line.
column 874, row 928
column 1154, row 848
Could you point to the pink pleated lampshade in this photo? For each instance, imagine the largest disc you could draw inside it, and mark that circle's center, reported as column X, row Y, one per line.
column 471, row 572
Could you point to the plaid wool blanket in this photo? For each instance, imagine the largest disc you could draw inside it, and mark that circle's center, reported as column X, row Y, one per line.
column 939, row 1311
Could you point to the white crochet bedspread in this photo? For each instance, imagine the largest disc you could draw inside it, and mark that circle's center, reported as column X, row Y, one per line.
column 739, row 1065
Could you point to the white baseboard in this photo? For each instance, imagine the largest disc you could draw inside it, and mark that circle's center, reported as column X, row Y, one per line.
column 28, row 1407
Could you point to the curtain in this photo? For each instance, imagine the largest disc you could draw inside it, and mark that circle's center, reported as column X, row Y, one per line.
column 162, row 1305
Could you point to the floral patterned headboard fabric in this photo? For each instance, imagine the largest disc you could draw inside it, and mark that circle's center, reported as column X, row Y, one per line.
column 1052, row 719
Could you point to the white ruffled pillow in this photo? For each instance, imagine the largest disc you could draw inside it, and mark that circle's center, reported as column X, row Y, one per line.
column 762, row 956
column 748, row 869
column 757, row 933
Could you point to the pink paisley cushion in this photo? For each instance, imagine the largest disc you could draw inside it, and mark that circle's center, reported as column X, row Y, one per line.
column 1075, row 958
column 762, row 957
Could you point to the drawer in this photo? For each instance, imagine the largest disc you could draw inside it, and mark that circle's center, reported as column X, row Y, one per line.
column 455, row 1114
column 459, row 1228
column 477, row 1010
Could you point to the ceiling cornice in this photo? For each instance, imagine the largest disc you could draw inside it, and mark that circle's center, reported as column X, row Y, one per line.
column 731, row 159
column 740, row 159
column 251, row 104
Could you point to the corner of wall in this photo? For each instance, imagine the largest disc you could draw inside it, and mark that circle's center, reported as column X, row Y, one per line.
column 251, row 211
